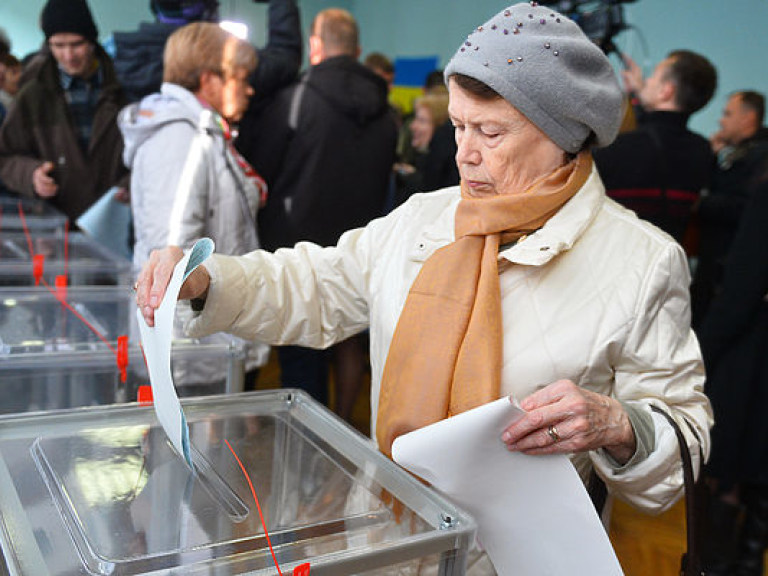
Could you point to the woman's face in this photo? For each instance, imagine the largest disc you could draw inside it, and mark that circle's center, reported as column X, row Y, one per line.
column 236, row 91
column 422, row 128
column 12, row 77
column 499, row 151
column 228, row 95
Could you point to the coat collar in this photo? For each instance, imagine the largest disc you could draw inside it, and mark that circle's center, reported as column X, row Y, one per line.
column 557, row 235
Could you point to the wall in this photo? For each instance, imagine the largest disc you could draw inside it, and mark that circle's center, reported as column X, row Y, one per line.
column 729, row 32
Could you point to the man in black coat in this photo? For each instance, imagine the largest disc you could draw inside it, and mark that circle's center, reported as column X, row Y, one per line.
column 742, row 144
column 734, row 344
column 325, row 146
column 138, row 54
column 659, row 169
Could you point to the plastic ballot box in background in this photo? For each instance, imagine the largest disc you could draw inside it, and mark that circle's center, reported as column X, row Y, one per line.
column 101, row 491
column 63, row 353
column 27, row 259
column 19, row 213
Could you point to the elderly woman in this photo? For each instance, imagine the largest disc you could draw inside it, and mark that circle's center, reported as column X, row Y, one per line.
column 526, row 280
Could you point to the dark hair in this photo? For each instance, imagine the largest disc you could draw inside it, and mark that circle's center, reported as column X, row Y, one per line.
column 433, row 79
column 695, row 80
column 475, row 87
column 753, row 101
column 379, row 61
column 10, row 60
column 5, row 43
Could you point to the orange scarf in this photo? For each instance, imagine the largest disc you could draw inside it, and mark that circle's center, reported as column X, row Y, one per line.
column 446, row 352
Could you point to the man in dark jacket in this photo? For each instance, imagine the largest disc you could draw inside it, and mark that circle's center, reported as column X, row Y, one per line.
column 742, row 158
column 326, row 147
column 734, row 343
column 138, row 54
column 61, row 141
column 659, row 169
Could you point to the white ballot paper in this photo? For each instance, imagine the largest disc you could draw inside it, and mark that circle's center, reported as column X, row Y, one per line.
column 533, row 513
column 156, row 341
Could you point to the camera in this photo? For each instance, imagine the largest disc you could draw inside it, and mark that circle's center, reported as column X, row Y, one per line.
column 600, row 20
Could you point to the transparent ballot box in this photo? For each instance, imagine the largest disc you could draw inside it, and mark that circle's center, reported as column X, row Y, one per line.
column 82, row 260
column 63, row 354
column 38, row 216
column 100, row 491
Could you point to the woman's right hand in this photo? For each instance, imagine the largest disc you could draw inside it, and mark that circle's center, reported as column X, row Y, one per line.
column 156, row 275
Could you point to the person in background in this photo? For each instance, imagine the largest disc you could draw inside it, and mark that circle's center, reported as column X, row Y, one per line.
column 326, row 148
column 734, row 342
column 187, row 179
column 11, row 77
column 742, row 148
column 434, row 165
column 525, row 281
column 433, row 84
column 382, row 66
column 60, row 140
column 660, row 169
column 138, row 54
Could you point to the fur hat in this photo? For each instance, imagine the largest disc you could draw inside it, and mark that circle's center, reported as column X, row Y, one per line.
column 542, row 64
column 71, row 16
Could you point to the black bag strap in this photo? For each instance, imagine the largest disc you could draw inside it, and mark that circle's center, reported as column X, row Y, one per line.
column 691, row 561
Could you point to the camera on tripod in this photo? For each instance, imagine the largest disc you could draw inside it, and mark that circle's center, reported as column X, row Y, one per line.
column 600, row 20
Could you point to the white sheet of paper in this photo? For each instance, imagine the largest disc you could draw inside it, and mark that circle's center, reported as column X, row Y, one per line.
column 156, row 342
column 533, row 513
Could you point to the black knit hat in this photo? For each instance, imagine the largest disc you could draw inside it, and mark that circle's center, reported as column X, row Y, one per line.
column 70, row 16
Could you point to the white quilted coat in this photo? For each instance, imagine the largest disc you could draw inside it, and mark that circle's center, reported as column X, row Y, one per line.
column 596, row 296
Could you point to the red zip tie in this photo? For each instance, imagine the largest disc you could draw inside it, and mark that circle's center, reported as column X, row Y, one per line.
column 122, row 357
column 61, row 287
column 26, row 230
column 144, row 395
column 258, row 506
column 38, row 264
column 66, row 247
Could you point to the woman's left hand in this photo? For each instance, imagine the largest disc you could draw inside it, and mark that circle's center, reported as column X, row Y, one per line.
column 564, row 418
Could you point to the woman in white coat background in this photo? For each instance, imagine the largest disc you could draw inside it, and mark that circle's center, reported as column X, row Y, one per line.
column 187, row 179
column 525, row 280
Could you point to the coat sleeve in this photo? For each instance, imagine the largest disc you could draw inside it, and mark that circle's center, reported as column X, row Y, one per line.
column 661, row 364
column 19, row 156
column 280, row 59
column 306, row 295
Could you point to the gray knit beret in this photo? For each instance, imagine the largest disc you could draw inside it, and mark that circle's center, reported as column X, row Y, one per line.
column 542, row 63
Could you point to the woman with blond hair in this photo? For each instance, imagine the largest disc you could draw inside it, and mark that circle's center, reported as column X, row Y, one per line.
column 187, row 179
column 433, row 165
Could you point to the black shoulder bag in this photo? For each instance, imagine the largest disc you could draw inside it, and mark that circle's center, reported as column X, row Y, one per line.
column 690, row 564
